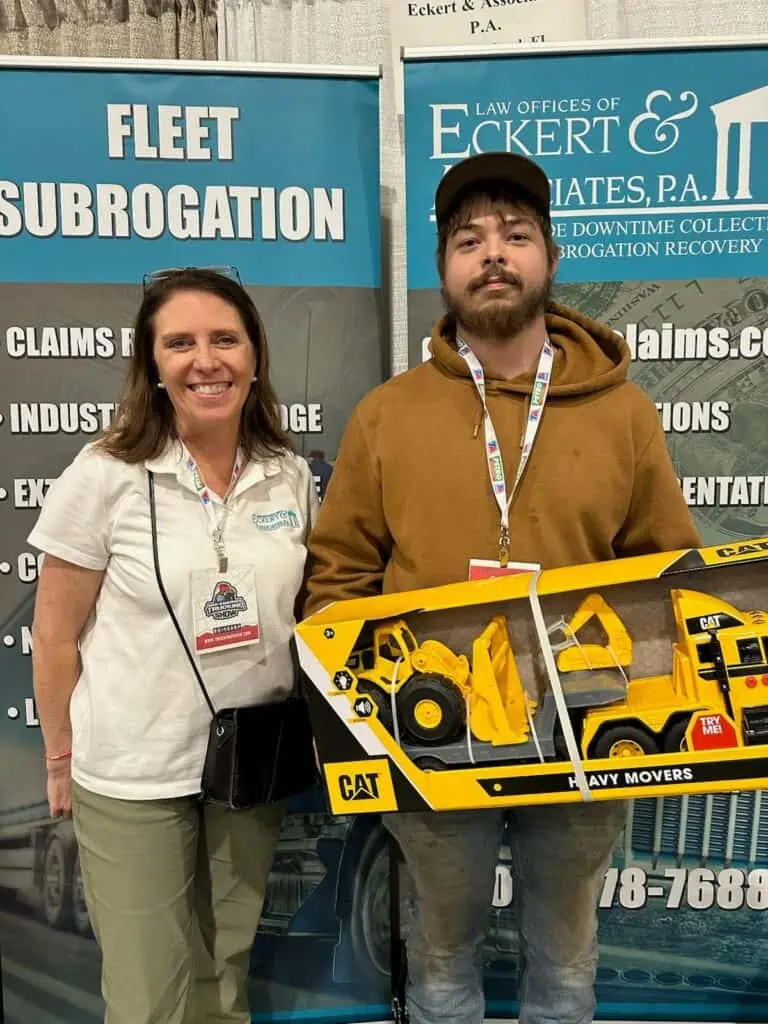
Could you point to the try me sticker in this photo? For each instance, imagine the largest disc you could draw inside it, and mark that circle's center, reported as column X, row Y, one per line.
column 484, row 569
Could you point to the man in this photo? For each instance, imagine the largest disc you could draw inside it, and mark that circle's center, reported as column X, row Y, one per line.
column 416, row 495
column 321, row 471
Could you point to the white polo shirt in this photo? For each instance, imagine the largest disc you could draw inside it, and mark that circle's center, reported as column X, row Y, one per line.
column 139, row 721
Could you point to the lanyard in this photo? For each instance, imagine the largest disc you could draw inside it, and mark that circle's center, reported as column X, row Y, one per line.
column 492, row 450
column 204, row 494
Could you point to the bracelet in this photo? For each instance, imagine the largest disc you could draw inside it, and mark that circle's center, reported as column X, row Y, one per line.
column 59, row 757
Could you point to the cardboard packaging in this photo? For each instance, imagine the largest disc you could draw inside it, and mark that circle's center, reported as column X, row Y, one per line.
column 637, row 677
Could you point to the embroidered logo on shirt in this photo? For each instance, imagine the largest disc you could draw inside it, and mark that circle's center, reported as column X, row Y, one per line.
column 224, row 602
column 283, row 519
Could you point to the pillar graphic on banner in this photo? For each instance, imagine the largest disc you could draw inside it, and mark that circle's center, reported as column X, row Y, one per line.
column 743, row 111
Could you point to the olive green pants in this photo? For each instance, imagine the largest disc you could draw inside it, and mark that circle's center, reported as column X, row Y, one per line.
column 174, row 891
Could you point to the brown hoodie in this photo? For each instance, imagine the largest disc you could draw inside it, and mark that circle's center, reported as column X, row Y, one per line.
column 410, row 502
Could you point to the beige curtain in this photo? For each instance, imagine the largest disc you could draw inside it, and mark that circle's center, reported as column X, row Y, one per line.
column 157, row 29
column 669, row 19
column 357, row 32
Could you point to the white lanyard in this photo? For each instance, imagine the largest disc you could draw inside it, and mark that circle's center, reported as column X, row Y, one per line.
column 204, row 494
column 492, row 450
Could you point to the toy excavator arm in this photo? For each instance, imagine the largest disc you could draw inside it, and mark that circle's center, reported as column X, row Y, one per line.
column 575, row 656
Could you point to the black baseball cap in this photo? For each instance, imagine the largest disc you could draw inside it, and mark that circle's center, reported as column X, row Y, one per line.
column 510, row 168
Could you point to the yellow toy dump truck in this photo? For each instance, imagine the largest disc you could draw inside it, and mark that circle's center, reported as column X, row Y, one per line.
column 444, row 712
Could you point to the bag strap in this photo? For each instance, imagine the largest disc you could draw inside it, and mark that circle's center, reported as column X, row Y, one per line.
column 159, row 578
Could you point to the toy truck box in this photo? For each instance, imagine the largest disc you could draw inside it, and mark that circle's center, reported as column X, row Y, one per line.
column 642, row 676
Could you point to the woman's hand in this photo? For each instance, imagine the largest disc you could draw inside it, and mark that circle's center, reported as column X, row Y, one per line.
column 59, row 788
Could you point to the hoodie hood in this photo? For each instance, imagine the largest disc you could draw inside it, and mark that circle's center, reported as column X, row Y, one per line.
column 589, row 356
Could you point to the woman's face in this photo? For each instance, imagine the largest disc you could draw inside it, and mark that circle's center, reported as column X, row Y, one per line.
column 204, row 358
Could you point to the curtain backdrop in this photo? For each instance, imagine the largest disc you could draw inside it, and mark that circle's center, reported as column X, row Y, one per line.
column 156, row 29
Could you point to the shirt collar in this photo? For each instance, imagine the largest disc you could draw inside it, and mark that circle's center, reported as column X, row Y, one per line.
column 170, row 460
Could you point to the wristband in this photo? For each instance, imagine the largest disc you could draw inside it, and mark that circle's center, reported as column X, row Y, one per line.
column 59, row 757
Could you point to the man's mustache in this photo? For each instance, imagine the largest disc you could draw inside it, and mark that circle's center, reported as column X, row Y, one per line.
column 495, row 274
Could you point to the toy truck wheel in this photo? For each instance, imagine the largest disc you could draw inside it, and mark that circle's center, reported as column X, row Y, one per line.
column 624, row 741
column 381, row 699
column 674, row 740
column 431, row 709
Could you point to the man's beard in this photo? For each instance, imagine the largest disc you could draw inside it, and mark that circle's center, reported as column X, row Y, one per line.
column 500, row 316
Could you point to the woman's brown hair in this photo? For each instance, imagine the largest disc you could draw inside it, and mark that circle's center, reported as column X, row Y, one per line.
column 144, row 418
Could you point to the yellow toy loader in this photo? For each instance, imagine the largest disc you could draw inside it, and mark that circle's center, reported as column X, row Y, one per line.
column 429, row 697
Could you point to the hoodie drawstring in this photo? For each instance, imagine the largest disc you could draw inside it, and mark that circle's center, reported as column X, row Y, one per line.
column 479, row 420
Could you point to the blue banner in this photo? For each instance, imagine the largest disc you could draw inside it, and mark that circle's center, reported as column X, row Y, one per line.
column 106, row 174
column 656, row 161
column 654, row 158
column 120, row 172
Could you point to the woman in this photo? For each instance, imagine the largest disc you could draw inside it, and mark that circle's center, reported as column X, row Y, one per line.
column 174, row 887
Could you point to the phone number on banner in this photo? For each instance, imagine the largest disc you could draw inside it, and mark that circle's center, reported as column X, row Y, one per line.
column 693, row 888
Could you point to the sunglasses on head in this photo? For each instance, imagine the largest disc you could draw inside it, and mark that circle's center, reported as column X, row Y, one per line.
column 168, row 273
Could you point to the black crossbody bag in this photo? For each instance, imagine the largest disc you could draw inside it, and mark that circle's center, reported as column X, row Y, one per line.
column 257, row 754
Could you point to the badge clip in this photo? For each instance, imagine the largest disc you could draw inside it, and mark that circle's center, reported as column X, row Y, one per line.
column 504, row 547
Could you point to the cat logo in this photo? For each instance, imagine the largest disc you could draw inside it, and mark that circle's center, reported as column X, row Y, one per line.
column 708, row 622
column 737, row 550
column 712, row 623
column 360, row 786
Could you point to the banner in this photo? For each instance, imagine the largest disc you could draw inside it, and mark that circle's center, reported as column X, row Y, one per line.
column 108, row 172
column 660, row 209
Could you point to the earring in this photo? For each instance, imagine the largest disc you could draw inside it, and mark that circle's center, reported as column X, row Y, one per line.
column 161, row 386
column 254, row 378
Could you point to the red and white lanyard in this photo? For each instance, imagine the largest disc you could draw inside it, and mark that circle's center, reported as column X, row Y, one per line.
column 492, row 450
column 218, row 520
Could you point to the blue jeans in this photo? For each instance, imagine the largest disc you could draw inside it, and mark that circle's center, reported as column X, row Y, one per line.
column 559, row 856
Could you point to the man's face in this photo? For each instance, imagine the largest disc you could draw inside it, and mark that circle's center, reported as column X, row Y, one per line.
column 497, row 274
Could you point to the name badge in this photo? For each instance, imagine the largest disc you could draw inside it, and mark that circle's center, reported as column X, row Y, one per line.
column 225, row 610
column 484, row 569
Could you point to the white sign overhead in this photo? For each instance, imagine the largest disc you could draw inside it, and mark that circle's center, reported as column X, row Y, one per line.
column 458, row 22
